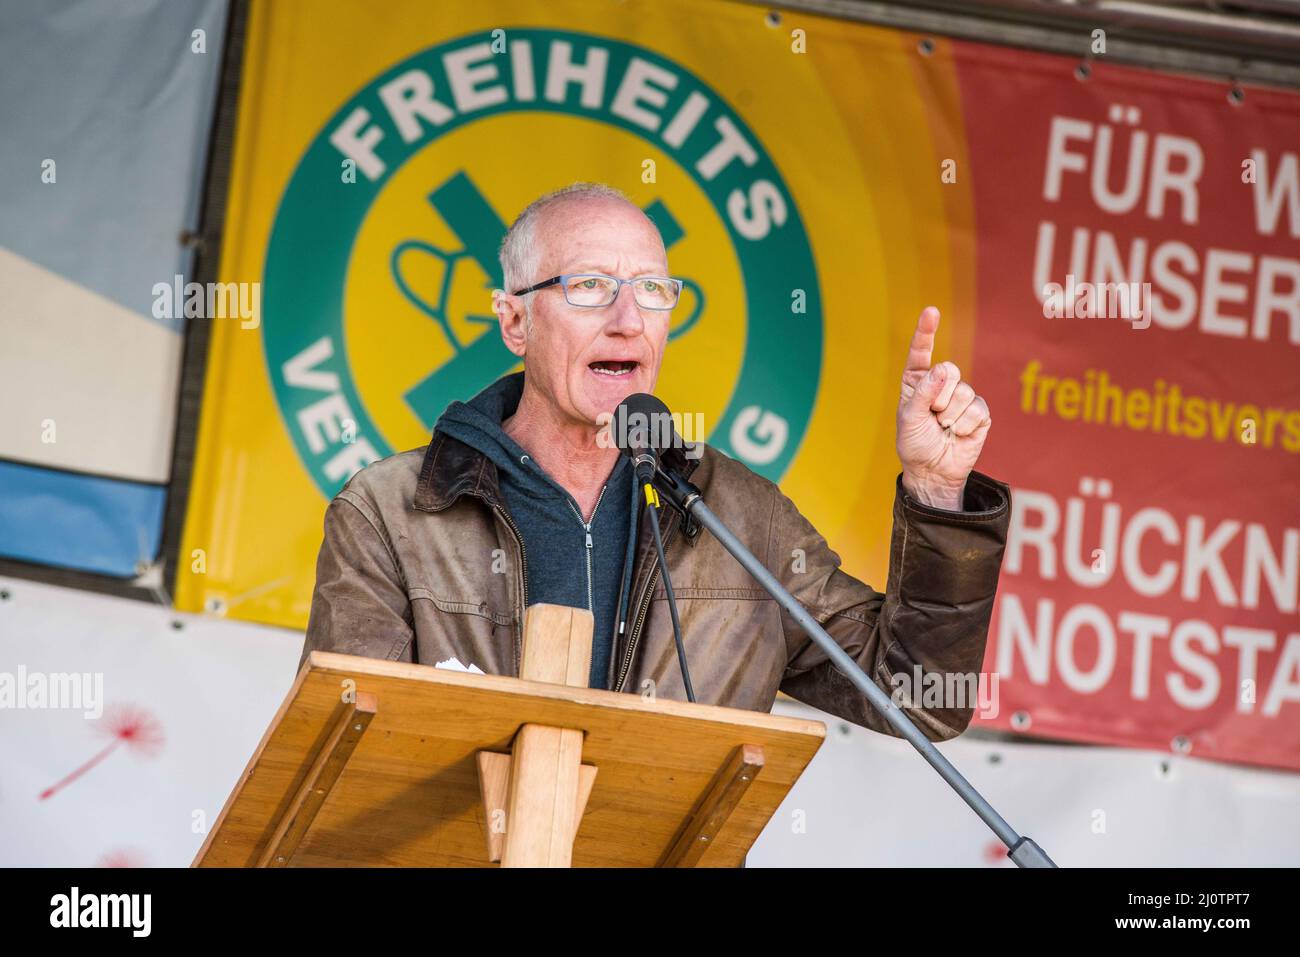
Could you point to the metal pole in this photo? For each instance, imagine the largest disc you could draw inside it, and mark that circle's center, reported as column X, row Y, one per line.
column 1022, row 850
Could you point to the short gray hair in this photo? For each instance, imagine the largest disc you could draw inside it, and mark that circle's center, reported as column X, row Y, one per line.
column 520, row 253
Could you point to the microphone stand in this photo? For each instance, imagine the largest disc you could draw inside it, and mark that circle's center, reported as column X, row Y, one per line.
column 685, row 497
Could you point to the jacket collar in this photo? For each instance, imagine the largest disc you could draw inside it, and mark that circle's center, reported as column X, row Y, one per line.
column 452, row 469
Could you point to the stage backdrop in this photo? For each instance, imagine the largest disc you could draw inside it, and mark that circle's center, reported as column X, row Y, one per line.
column 817, row 184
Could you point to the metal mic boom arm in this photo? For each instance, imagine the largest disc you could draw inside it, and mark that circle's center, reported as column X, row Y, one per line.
column 685, row 497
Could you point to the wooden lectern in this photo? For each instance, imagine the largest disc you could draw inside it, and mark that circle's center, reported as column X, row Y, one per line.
column 380, row 763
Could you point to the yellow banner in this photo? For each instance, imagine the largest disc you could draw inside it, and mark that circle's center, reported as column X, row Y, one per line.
column 793, row 163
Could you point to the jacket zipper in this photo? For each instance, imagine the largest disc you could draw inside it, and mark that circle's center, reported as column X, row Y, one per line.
column 586, row 526
column 523, row 566
column 635, row 634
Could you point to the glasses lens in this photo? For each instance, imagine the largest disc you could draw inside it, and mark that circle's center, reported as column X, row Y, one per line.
column 590, row 290
column 656, row 292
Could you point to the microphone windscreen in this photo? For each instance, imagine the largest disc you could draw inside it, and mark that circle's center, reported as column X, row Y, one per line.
column 641, row 422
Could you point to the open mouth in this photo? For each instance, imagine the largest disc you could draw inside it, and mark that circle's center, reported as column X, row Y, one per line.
column 612, row 368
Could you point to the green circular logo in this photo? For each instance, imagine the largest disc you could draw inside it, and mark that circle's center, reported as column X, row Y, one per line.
column 410, row 108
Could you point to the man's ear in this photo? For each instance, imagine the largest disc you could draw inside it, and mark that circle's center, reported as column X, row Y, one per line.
column 514, row 324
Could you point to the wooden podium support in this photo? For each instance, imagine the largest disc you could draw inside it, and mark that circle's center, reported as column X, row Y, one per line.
column 379, row 763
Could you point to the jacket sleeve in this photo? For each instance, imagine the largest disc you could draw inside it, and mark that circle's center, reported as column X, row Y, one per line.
column 935, row 611
column 360, row 605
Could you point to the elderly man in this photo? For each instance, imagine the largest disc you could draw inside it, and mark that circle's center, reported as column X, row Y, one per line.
column 433, row 554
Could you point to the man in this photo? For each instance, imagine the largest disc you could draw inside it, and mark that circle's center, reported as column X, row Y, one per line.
column 433, row 554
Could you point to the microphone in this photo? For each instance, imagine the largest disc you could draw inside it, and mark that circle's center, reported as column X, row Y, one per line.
column 641, row 427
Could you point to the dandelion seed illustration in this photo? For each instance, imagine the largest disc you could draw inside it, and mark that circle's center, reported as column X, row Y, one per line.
column 122, row 857
column 126, row 724
column 995, row 852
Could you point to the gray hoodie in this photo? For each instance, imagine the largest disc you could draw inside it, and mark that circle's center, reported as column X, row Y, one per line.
column 570, row 562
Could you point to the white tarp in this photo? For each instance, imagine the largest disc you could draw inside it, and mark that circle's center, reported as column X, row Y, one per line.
column 203, row 694
column 868, row 799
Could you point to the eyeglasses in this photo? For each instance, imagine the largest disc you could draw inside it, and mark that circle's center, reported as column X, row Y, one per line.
column 593, row 290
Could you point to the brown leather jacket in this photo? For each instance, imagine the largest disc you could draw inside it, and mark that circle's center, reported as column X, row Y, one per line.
column 421, row 562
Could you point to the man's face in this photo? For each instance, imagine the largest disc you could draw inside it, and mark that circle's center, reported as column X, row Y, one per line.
column 585, row 361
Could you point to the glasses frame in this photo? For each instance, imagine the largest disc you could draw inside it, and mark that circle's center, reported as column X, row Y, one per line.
column 562, row 280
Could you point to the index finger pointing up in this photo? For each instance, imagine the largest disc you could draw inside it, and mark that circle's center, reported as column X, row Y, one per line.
column 922, row 346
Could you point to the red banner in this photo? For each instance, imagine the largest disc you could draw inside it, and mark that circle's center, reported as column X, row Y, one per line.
column 1138, row 338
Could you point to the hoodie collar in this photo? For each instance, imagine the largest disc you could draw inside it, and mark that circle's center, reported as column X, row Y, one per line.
column 452, row 469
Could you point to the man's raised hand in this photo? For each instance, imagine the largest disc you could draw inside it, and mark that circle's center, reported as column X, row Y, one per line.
column 942, row 423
